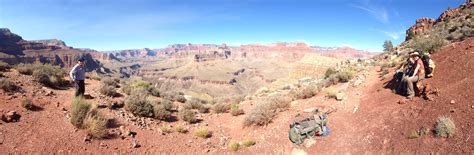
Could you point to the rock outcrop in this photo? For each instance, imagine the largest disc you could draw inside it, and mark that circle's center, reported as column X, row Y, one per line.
column 423, row 25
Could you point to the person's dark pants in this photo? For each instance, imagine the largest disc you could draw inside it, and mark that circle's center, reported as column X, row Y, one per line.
column 80, row 88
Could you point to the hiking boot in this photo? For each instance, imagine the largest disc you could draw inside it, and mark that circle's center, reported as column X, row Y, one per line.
column 410, row 97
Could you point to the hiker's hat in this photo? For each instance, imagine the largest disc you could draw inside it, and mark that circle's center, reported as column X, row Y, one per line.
column 415, row 54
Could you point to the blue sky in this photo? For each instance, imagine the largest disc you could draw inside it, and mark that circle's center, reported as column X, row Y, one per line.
column 128, row 24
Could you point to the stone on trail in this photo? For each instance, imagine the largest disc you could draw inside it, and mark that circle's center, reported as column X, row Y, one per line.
column 309, row 142
column 296, row 151
column 453, row 102
column 339, row 96
column 11, row 116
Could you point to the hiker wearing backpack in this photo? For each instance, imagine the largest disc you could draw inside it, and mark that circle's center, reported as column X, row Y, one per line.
column 415, row 73
column 429, row 64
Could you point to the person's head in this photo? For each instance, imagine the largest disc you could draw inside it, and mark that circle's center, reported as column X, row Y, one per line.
column 81, row 61
column 415, row 55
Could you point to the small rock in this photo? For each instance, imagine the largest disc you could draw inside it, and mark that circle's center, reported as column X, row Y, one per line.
column 88, row 139
column 402, row 102
column 452, row 110
column 472, row 107
column 103, row 144
column 102, row 105
column 453, row 102
column 11, row 116
column 135, row 144
column 339, row 96
column 309, row 110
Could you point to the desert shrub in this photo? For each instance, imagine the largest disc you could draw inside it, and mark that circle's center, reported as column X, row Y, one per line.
column 330, row 71
column 107, row 90
column 234, row 146
column 203, row 133
column 221, row 107
column 48, row 75
column 196, row 104
column 139, row 104
column 166, row 129
column 167, row 104
column 305, row 92
column 94, row 76
column 8, row 85
column 160, row 112
column 346, row 75
column 4, row 66
column 80, row 108
column 180, row 129
column 26, row 69
column 263, row 113
column 331, row 92
column 96, row 126
column 445, row 127
column 235, row 110
column 110, row 81
column 27, row 104
column 187, row 115
column 174, row 96
column 413, row 134
column 136, row 84
column 248, row 142
column 431, row 43
column 154, row 91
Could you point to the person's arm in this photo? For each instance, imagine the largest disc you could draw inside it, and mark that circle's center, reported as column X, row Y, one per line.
column 416, row 70
column 72, row 74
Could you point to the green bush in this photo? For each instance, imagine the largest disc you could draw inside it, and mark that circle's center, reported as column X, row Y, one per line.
column 160, row 112
column 234, row 146
column 196, row 104
column 4, row 66
column 140, row 84
column 433, row 42
column 107, row 90
column 96, row 126
column 187, row 115
column 110, row 82
column 445, row 127
column 235, row 110
column 203, row 133
column 331, row 92
column 167, row 104
column 27, row 104
column 136, row 84
column 139, row 104
column 48, row 75
column 80, row 108
column 330, row 71
column 249, row 142
column 221, row 108
column 26, row 69
column 8, row 85
column 180, row 129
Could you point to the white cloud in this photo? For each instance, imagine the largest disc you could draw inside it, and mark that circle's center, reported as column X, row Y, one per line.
column 378, row 12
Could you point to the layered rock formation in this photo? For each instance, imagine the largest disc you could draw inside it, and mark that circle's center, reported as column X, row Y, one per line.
column 16, row 50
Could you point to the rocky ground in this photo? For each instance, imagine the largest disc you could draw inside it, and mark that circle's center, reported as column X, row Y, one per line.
column 367, row 119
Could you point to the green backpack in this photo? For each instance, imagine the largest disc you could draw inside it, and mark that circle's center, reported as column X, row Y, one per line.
column 308, row 128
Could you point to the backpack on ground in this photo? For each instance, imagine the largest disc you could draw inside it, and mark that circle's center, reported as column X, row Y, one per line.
column 308, row 128
column 429, row 65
